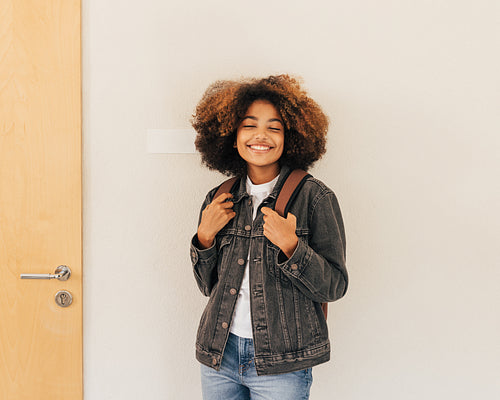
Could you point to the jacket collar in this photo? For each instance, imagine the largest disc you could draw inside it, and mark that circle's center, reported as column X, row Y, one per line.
column 242, row 186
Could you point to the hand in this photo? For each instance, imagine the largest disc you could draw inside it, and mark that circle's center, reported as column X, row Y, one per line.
column 213, row 218
column 281, row 231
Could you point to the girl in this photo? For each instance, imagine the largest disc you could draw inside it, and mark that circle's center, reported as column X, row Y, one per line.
column 263, row 328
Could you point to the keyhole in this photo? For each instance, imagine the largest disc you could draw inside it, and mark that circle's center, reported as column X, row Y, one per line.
column 63, row 298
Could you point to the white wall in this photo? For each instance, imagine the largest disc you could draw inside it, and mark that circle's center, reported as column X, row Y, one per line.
column 413, row 91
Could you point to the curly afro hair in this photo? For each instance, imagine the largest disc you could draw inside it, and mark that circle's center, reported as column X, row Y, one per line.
column 224, row 104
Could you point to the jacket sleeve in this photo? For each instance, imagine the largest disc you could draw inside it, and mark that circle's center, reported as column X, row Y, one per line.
column 318, row 268
column 204, row 261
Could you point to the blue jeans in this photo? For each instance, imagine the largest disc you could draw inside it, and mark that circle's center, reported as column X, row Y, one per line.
column 237, row 378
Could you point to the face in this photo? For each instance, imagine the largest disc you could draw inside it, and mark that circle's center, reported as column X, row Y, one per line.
column 260, row 138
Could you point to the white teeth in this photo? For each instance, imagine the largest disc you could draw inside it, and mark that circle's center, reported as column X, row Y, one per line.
column 257, row 147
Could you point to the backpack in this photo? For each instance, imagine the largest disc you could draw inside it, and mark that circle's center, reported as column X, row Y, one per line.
column 286, row 196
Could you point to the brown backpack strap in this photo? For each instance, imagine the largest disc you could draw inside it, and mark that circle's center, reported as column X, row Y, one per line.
column 225, row 187
column 289, row 190
column 324, row 307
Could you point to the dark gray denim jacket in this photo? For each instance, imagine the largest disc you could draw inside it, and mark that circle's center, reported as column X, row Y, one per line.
column 289, row 329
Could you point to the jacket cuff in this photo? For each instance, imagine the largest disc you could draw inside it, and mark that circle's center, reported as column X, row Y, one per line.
column 204, row 256
column 296, row 264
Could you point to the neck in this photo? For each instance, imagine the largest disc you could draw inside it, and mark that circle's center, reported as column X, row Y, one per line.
column 260, row 175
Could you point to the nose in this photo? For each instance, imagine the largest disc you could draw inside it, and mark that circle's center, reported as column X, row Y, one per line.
column 260, row 132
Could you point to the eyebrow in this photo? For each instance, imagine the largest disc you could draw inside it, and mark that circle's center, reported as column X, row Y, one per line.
column 271, row 120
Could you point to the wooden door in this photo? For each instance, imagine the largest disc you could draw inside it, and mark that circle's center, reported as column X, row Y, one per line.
column 40, row 199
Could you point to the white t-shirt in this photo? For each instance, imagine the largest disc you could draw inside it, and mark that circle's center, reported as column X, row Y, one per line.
column 242, row 321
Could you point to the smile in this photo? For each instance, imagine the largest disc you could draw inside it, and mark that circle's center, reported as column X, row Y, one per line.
column 259, row 147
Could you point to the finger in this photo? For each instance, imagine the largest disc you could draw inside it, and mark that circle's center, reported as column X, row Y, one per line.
column 267, row 229
column 230, row 215
column 222, row 198
column 268, row 211
column 227, row 204
column 267, row 219
column 268, row 235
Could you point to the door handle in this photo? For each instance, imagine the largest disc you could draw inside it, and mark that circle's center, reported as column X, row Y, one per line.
column 62, row 273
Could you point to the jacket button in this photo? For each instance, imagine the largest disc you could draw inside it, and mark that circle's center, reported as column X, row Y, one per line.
column 241, row 261
column 248, row 228
column 233, row 291
column 295, row 267
column 214, row 361
column 225, row 325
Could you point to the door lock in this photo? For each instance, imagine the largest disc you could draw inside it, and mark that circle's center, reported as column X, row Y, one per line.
column 64, row 298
